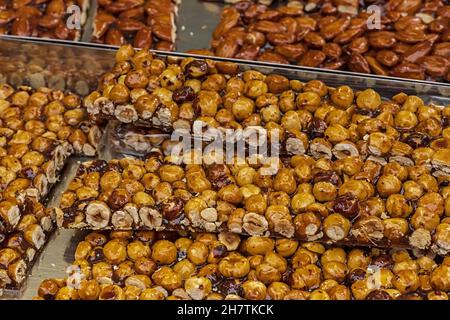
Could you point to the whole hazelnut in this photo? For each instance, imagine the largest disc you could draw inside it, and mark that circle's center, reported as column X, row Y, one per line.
column 347, row 205
column 197, row 253
column 115, row 251
column 164, row 252
column 254, row 290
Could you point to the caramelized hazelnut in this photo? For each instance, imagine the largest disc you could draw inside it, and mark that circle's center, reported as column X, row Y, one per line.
column 115, row 251
column 164, row 252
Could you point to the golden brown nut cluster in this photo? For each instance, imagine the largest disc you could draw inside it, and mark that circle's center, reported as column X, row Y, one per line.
column 361, row 168
column 30, row 154
column 341, row 201
column 144, row 24
column 154, row 266
column 411, row 40
column 44, row 117
column 39, row 129
column 310, row 118
column 19, row 249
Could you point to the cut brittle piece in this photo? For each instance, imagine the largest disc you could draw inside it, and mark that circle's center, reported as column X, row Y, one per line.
column 39, row 130
column 347, row 201
column 20, row 249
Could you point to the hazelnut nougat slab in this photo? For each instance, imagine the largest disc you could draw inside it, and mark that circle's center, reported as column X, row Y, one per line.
column 39, row 130
column 310, row 118
column 20, row 248
column 346, row 201
column 147, row 265
column 360, row 168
